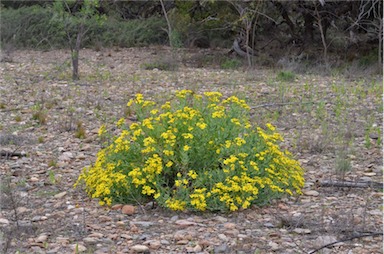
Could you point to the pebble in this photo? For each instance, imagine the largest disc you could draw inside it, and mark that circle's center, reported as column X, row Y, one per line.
column 117, row 207
column 222, row 237
column 4, row 221
column 220, row 219
column 195, row 249
column 140, row 248
column 128, row 209
column 165, row 242
column 153, row 244
column 302, row 231
column 223, row 248
column 90, row 240
column 312, row 193
column 78, row 248
column 274, row 246
column 41, row 238
column 229, row 225
column 185, row 223
column 60, row 195
column 145, row 224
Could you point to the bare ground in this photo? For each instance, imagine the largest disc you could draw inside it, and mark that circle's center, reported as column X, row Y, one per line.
column 320, row 117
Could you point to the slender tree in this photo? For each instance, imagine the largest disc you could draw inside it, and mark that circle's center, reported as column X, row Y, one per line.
column 76, row 18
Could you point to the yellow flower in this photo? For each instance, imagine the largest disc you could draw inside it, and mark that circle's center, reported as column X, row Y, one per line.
column 154, row 111
column 102, row 130
column 236, row 121
column 147, row 190
column 201, row 125
column 169, row 164
column 186, row 147
column 239, row 141
column 187, row 135
column 120, row 122
column 130, row 102
column 166, row 105
column 270, row 126
column 175, row 204
column 183, row 93
column 192, row 174
column 168, row 152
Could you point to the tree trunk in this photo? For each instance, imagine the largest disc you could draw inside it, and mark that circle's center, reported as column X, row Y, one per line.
column 75, row 53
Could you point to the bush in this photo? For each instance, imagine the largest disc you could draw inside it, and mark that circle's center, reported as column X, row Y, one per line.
column 194, row 153
column 285, row 76
column 35, row 27
column 230, row 64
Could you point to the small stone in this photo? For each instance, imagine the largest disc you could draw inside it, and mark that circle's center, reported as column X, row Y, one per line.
column 60, row 195
column 90, row 240
column 96, row 235
column 302, row 231
column 34, row 179
column 153, row 244
column 41, row 238
column 269, row 225
column 21, row 210
column 242, row 236
column 126, row 236
column 145, row 224
column 204, row 243
column 4, row 221
column 274, row 246
column 222, row 237
column 62, row 240
column 229, row 225
column 128, row 209
column 165, row 242
column 182, row 235
column 66, row 156
column 373, row 135
column 312, row 193
column 221, row 249
column 36, row 218
column 220, row 219
column 185, row 223
column 140, row 248
column 182, row 242
column 78, row 248
column 117, row 207
column 195, row 249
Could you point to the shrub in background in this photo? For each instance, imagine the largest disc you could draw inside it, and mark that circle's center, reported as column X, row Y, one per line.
column 34, row 27
column 198, row 152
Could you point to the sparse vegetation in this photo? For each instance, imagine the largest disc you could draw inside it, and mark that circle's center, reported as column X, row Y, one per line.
column 285, row 76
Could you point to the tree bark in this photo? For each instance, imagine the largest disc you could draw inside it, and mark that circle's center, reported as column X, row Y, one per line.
column 75, row 53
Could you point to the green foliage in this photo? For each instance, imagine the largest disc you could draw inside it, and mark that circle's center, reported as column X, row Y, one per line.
column 163, row 64
column 196, row 153
column 230, row 64
column 285, row 76
column 41, row 28
column 29, row 26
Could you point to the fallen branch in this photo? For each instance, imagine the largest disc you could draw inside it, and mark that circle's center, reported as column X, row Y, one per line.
column 368, row 184
column 345, row 240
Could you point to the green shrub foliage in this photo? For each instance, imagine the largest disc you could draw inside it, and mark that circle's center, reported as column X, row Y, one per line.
column 198, row 152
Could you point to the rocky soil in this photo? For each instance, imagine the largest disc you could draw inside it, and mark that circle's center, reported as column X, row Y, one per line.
column 48, row 133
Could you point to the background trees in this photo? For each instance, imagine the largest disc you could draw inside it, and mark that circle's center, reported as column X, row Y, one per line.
column 270, row 30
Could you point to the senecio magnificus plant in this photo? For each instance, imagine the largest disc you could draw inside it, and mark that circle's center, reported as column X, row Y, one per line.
column 198, row 152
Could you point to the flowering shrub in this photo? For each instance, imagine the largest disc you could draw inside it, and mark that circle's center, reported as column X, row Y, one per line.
column 198, row 152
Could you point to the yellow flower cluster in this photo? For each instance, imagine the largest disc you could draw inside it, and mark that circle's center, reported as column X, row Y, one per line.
column 196, row 152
